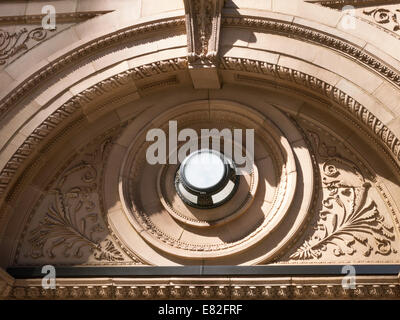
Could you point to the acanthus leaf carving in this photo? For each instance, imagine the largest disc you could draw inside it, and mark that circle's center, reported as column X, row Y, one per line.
column 349, row 216
column 65, row 226
column 72, row 226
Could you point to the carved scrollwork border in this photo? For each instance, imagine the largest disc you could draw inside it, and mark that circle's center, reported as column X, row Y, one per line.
column 60, row 17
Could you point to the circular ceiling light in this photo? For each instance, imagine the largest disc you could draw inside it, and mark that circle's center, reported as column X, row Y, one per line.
column 206, row 179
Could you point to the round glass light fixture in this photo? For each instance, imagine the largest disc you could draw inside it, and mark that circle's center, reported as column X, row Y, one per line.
column 203, row 170
column 206, row 179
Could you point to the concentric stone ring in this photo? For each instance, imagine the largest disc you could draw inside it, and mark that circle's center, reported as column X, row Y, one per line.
column 212, row 211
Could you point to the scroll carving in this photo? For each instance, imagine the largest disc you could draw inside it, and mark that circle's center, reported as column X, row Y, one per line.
column 385, row 16
column 13, row 43
column 349, row 220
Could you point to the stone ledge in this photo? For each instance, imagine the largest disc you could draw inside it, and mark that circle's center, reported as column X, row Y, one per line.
column 210, row 288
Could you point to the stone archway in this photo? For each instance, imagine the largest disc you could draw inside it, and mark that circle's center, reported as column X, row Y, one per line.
column 330, row 93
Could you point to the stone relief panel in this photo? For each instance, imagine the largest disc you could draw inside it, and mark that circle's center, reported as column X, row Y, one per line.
column 67, row 226
column 351, row 222
column 203, row 25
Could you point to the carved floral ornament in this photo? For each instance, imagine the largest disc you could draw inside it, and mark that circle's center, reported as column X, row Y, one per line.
column 13, row 43
column 349, row 220
column 338, row 4
column 67, row 224
column 71, row 222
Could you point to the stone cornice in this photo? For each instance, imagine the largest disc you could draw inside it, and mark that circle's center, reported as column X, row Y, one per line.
column 219, row 288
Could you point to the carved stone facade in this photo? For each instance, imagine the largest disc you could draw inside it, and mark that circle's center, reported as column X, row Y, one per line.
column 77, row 189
